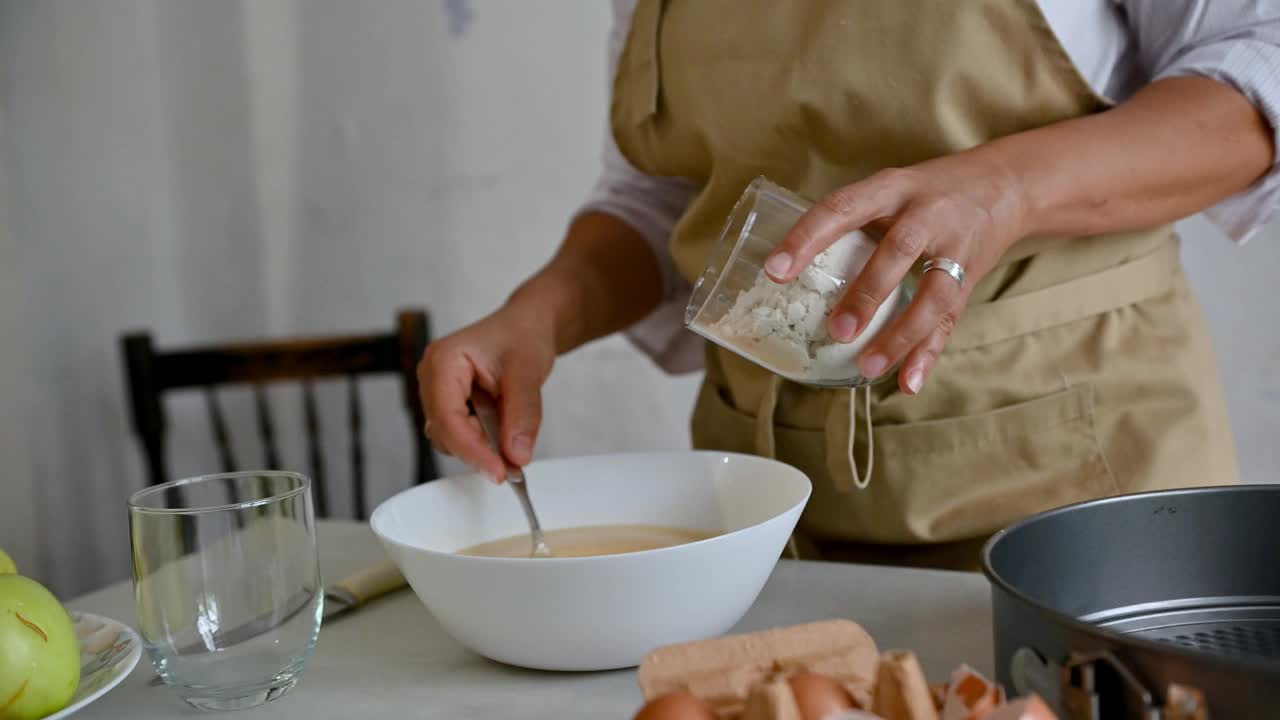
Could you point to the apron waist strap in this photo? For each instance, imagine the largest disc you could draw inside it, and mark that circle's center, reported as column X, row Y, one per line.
column 766, row 446
column 1146, row 277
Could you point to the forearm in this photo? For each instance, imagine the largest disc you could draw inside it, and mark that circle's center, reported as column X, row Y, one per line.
column 1175, row 148
column 603, row 279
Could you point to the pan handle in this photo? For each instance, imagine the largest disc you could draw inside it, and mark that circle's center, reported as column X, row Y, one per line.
column 1098, row 686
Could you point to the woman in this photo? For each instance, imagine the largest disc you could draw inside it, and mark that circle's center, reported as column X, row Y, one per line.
column 1040, row 150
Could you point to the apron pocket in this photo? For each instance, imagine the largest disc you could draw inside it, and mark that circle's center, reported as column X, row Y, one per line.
column 965, row 477
column 717, row 425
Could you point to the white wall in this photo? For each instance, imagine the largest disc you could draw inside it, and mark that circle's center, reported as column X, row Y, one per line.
column 231, row 169
column 1236, row 287
column 222, row 170
column 464, row 155
column 18, row 498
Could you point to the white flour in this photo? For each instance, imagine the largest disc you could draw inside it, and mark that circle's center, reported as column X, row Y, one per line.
column 783, row 327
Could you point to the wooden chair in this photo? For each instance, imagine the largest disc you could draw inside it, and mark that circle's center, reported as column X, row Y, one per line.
column 150, row 374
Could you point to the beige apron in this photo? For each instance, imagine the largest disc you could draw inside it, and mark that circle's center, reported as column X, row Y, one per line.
column 1082, row 367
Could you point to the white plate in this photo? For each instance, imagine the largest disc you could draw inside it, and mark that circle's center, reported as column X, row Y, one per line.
column 109, row 650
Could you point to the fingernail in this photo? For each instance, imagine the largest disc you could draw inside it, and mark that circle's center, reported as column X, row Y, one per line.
column 915, row 379
column 843, row 327
column 521, row 447
column 873, row 365
column 778, row 265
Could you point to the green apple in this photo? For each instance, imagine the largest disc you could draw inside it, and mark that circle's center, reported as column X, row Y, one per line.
column 39, row 651
column 7, row 566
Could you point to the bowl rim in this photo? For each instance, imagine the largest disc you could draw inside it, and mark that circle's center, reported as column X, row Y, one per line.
column 381, row 511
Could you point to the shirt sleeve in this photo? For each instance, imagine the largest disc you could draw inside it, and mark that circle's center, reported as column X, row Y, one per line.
column 651, row 205
column 1236, row 42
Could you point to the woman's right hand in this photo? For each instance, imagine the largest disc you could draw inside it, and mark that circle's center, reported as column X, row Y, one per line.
column 509, row 354
column 603, row 278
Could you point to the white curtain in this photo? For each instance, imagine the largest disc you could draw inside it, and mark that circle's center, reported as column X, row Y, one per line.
column 243, row 168
column 18, row 497
column 211, row 171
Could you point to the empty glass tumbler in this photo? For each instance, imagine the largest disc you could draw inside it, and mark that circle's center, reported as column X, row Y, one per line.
column 227, row 584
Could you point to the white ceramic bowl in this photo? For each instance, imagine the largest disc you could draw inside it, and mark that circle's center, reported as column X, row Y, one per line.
column 606, row 612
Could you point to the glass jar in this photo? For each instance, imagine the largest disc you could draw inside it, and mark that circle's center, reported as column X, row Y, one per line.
column 783, row 326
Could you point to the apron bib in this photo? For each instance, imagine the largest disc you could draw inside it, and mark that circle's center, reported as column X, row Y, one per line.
column 1083, row 366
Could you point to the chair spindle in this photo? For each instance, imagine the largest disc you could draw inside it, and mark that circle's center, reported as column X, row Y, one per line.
column 312, row 420
column 221, row 438
column 357, row 446
column 266, row 428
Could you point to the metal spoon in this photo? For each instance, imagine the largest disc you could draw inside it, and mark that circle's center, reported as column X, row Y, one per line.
column 486, row 410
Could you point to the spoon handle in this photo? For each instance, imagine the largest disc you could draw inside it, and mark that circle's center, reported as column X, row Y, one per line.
column 540, row 548
column 486, row 410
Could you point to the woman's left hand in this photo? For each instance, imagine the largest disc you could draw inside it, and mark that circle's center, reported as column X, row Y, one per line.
column 966, row 207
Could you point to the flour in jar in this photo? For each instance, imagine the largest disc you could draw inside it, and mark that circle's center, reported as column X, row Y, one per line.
column 784, row 326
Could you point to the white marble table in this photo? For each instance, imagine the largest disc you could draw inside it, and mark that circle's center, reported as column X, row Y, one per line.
column 391, row 659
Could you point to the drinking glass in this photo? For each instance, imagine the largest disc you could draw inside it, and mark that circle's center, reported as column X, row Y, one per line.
column 227, row 584
column 782, row 327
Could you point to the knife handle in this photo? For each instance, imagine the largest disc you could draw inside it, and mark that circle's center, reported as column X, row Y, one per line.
column 371, row 582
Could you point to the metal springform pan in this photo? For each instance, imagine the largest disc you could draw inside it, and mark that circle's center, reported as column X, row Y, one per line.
column 1161, row 605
